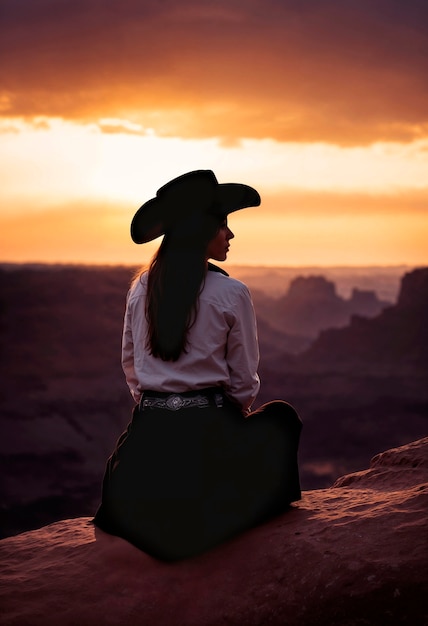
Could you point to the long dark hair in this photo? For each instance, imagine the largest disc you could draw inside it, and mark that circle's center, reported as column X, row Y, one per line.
column 175, row 279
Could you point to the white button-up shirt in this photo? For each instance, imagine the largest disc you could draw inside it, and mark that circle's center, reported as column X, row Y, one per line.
column 222, row 349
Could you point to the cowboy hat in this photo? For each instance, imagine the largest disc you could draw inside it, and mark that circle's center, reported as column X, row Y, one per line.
column 197, row 191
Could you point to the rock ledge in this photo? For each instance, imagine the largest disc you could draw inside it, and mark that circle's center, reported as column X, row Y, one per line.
column 351, row 555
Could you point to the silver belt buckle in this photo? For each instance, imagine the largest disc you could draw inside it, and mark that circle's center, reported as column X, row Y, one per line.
column 174, row 403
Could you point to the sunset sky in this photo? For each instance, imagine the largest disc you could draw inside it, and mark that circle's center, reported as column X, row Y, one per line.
column 321, row 105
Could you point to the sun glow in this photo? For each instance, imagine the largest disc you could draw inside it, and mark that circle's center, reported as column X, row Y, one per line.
column 321, row 203
column 326, row 240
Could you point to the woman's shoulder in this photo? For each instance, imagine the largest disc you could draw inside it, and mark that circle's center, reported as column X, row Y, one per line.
column 221, row 285
column 139, row 285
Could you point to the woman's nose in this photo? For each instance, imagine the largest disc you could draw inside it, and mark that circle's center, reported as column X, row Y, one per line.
column 230, row 235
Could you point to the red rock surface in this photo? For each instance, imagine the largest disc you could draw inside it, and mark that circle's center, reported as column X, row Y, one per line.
column 351, row 555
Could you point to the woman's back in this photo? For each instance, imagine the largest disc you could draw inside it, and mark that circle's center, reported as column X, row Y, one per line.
column 222, row 349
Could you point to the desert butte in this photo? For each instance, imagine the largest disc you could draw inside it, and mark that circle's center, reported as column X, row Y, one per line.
column 352, row 554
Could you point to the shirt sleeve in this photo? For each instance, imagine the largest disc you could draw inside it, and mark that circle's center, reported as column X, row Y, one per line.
column 243, row 352
column 128, row 354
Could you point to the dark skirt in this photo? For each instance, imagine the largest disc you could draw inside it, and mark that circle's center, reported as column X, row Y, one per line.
column 180, row 482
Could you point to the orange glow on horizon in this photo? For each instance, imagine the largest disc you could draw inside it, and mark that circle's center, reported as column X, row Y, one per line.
column 100, row 235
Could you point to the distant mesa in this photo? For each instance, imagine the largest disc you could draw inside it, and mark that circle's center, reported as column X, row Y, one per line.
column 318, row 287
column 312, row 304
column 393, row 342
column 365, row 302
column 414, row 290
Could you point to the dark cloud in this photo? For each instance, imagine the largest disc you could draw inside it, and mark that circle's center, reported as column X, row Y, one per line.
column 302, row 70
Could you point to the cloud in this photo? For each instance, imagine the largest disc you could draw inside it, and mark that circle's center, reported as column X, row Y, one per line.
column 345, row 72
column 114, row 126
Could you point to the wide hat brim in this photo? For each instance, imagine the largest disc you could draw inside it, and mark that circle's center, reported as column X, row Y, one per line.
column 194, row 192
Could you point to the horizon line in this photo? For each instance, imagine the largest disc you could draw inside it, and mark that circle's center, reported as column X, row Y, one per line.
column 4, row 263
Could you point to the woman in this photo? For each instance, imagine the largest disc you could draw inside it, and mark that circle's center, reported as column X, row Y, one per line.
column 195, row 465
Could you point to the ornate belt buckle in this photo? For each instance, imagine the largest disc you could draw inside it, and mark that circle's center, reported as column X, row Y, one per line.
column 174, row 403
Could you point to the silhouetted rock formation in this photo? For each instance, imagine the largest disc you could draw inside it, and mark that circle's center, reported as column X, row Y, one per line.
column 312, row 304
column 395, row 342
column 359, row 387
column 353, row 554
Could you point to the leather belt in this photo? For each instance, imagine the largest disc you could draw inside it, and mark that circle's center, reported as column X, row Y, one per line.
column 176, row 401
